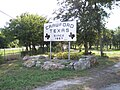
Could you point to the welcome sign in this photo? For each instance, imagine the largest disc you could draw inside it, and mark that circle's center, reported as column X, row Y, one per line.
column 60, row 31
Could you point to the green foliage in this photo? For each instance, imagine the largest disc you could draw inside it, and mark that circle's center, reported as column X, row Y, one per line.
column 59, row 55
column 14, row 44
column 90, row 16
column 58, row 46
column 52, row 55
column 64, row 55
column 28, row 29
column 116, row 38
column 3, row 42
column 1, row 59
column 32, row 52
column 74, row 56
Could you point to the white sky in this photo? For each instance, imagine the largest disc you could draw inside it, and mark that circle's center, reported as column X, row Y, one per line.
column 41, row 7
column 114, row 20
column 17, row 7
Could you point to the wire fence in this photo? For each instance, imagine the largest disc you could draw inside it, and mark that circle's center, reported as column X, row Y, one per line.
column 11, row 53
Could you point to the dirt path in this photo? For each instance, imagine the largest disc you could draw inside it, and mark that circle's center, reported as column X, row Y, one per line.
column 60, row 85
column 107, row 79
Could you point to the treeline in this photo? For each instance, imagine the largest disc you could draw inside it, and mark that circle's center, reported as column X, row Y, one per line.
column 26, row 30
column 111, row 39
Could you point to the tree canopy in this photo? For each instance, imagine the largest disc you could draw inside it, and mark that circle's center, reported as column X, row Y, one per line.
column 28, row 29
column 89, row 14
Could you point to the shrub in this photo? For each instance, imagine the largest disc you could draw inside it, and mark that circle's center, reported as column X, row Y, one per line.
column 65, row 55
column 59, row 55
column 24, row 53
column 52, row 56
column 74, row 56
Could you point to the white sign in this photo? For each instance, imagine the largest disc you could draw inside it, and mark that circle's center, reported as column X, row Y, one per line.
column 60, row 31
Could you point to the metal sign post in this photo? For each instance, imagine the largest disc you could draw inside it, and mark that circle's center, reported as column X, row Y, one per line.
column 50, row 50
column 69, row 50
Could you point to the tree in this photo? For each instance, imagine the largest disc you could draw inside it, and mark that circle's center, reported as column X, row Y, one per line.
column 3, row 42
column 107, row 38
column 116, row 38
column 28, row 29
column 89, row 15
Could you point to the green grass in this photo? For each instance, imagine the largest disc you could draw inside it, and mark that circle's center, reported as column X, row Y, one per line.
column 105, row 62
column 10, row 51
column 13, row 76
column 113, row 53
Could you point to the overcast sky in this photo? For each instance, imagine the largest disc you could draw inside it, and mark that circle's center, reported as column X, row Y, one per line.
column 41, row 7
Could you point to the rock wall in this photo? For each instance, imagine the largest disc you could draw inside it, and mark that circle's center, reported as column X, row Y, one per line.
column 84, row 62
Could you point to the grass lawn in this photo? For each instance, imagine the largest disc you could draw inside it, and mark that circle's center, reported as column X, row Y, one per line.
column 10, row 51
column 13, row 76
column 113, row 53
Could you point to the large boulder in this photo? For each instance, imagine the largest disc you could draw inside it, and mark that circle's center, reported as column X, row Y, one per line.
column 85, row 62
column 27, row 57
column 29, row 63
column 37, row 57
column 48, row 65
column 38, row 64
column 82, row 64
column 42, row 57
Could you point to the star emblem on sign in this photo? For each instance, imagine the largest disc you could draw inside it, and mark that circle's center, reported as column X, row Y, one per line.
column 72, row 35
column 47, row 36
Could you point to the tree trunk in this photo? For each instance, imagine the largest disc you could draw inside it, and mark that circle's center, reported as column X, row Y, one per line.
column 86, row 47
column 34, row 48
column 107, row 46
column 90, row 46
column 30, row 47
column 110, row 46
column 119, row 46
column 26, row 48
column 43, row 49
column 75, row 46
column 97, row 44
column 101, row 47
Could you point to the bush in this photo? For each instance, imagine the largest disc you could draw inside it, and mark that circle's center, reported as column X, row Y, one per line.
column 74, row 56
column 59, row 55
column 65, row 55
column 52, row 56
column 24, row 53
